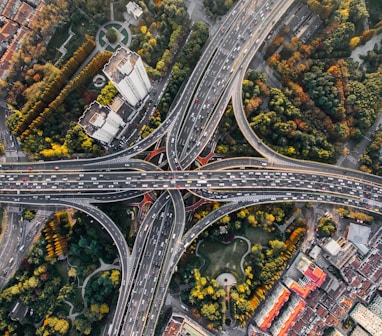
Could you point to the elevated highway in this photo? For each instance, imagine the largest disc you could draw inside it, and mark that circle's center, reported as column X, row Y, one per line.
column 237, row 182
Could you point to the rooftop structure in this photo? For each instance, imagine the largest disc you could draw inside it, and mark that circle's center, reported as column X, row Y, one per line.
column 367, row 319
column 288, row 317
column 371, row 267
column 180, row 325
column 336, row 333
column 358, row 234
column 16, row 15
column 315, row 252
column 311, row 271
column 254, row 331
column 302, row 287
column 332, row 247
column 18, row 311
column 126, row 71
column 358, row 331
column 272, row 307
column 340, row 251
column 134, row 10
column 376, row 306
column 100, row 122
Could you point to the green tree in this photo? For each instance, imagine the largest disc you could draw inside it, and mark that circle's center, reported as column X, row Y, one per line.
column 111, row 35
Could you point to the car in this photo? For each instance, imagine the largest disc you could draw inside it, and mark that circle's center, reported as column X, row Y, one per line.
column 196, row 100
column 255, row 23
column 24, row 179
column 56, row 167
column 30, row 168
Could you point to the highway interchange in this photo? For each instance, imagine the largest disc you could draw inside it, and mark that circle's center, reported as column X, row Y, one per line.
column 239, row 182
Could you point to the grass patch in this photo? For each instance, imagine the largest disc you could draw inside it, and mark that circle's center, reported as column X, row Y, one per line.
column 101, row 38
column 63, row 309
column 61, row 268
column 77, row 301
column 221, row 257
column 258, row 235
column 125, row 36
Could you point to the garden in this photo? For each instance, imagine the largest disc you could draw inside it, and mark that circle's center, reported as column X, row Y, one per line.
column 218, row 257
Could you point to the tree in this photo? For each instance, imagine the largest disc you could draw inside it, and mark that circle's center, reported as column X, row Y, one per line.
column 111, row 35
column 277, row 247
column 83, row 326
column 326, row 227
column 29, row 214
column 211, row 311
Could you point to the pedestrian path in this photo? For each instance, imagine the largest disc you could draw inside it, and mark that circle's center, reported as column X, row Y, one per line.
column 103, row 267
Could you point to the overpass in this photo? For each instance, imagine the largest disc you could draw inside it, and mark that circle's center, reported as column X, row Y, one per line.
column 239, row 182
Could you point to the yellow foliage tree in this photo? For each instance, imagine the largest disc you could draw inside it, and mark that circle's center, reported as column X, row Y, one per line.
column 114, row 277
column 354, row 42
column 104, row 308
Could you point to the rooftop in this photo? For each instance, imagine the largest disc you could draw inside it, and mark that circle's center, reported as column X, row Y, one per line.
column 120, row 64
column 358, row 234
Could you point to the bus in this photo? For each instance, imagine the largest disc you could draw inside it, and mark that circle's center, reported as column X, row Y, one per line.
column 160, row 158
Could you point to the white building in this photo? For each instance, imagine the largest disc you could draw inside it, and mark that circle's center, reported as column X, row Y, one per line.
column 367, row 319
column 126, row 71
column 101, row 123
column 134, row 10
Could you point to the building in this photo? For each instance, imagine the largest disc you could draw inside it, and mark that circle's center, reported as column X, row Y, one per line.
column 18, row 311
column 311, row 277
column 126, row 71
column 15, row 16
column 376, row 306
column 340, row 251
column 336, row 333
column 288, row 317
column 367, row 319
column 272, row 307
column 358, row 331
column 358, row 234
column 101, row 122
column 180, row 325
column 134, row 10
column 254, row 331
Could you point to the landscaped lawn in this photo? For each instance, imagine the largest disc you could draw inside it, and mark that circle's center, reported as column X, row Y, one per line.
column 258, row 235
column 77, row 301
column 221, row 257
column 61, row 268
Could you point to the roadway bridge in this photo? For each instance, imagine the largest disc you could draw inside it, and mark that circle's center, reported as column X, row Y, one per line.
column 189, row 127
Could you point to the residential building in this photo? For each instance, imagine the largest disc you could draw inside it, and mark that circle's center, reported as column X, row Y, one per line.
column 126, row 71
column 311, row 277
column 358, row 331
column 272, row 307
column 367, row 319
column 288, row 318
column 340, row 251
column 101, row 122
column 134, row 9
column 181, row 325
column 16, row 16
column 376, row 305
